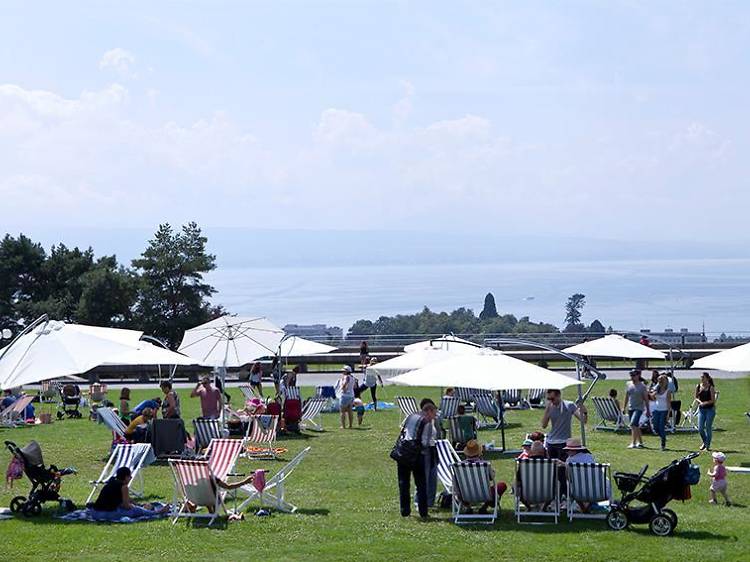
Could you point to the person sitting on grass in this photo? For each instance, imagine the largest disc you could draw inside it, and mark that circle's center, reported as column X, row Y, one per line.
column 137, row 430
column 115, row 495
column 473, row 453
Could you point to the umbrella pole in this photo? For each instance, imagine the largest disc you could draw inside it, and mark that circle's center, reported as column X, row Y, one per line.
column 502, row 423
column 580, row 401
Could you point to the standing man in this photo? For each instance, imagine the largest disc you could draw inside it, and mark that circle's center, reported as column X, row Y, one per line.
column 560, row 412
column 210, row 398
column 636, row 402
column 415, row 429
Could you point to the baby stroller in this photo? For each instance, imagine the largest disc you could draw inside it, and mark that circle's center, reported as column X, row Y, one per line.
column 70, row 402
column 45, row 482
column 671, row 482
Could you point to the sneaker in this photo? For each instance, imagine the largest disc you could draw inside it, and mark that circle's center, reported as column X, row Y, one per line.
column 663, row 447
column 640, row 446
column 712, row 501
column 729, row 504
column 631, row 446
column 703, row 447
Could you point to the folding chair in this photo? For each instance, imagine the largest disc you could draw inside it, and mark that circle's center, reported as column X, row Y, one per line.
column 222, row 455
column 464, row 394
column 205, row 431
column 13, row 415
column 513, row 399
column 407, row 405
column 135, row 457
column 447, row 457
column 608, row 413
column 195, row 483
column 535, row 397
column 472, row 484
column 261, row 433
column 274, row 493
column 247, row 391
column 488, row 407
column 448, row 406
column 311, row 418
column 588, row 483
column 49, row 390
column 458, row 426
column 537, row 487
column 108, row 417
column 291, row 392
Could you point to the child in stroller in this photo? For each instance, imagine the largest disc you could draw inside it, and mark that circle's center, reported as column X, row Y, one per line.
column 670, row 482
column 70, row 401
column 45, row 482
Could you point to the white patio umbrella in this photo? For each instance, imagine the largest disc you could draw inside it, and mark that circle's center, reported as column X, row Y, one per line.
column 149, row 354
column 232, row 341
column 447, row 342
column 736, row 359
column 422, row 358
column 295, row 345
column 614, row 345
column 52, row 349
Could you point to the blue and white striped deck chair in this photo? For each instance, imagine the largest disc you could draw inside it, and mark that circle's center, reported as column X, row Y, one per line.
column 135, row 456
column 407, row 405
column 311, row 418
column 588, row 483
column 536, row 397
column 473, row 484
column 448, row 406
column 488, row 408
column 205, row 430
column 537, row 488
column 291, row 392
column 513, row 399
column 466, row 396
column 447, row 457
column 108, row 417
column 610, row 417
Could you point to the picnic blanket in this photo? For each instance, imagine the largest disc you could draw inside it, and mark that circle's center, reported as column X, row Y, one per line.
column 135, row 515
column 381, row 406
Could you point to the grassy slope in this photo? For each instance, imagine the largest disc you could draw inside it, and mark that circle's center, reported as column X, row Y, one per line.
column 346, row 490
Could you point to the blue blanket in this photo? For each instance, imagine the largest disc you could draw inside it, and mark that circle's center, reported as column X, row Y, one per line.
column 134, row 515
column 381, row 406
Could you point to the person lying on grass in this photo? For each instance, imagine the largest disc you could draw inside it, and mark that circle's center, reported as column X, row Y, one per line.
column 115, row 495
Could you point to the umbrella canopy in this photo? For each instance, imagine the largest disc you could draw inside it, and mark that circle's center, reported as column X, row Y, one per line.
column 295, row 345
column 421, row 358
column 150, row 354
column 232, row 341
column 54, row 349
column 614, row 345
column 736, row 359
column 487, row 371
column 448, row 343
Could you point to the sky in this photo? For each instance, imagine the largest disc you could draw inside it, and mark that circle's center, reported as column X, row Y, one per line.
column 612, row 120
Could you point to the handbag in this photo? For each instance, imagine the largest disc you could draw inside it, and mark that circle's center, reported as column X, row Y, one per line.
column 407, row 451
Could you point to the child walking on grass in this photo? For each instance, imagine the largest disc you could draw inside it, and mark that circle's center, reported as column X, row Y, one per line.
column 718, row 474
column 359, row 407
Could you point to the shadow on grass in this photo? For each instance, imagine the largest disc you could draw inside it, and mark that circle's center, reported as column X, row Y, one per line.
column 316, row 511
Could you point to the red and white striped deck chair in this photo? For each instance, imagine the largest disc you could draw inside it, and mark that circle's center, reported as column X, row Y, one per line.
column 13, row 415
column 247, row 391
column 195, row 483
column 261, row 436
column 222, row 455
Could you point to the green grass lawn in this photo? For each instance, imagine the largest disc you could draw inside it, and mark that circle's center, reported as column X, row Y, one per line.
column 347, row 493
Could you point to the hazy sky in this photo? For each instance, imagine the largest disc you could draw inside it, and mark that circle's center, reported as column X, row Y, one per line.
column 614, row 119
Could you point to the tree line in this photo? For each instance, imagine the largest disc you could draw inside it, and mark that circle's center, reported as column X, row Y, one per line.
column 161, row 293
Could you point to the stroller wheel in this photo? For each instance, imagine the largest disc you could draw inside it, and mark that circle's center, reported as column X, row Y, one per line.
column 32, row 509
column 661, row 525
column 617, row 520
column 17, row 504
column 672, row 515
column 60, row 415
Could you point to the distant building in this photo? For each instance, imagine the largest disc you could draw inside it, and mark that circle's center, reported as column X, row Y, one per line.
column 678, row 338
column 314, row 330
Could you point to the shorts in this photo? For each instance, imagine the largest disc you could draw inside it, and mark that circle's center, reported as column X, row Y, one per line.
column 635, row 417
column 346, row 401
column 254, row 383
column 718, row 486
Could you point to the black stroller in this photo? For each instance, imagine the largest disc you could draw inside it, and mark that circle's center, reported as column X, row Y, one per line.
column 70, row 402
column 669, row 483
column 45, row 482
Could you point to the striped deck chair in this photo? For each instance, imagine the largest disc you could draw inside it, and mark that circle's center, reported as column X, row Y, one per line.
column 448, row 406
column 222, row 455
column 195, row 483
column 464, row 394
column 13, row 415
column 247, row 391
column 513, row 399
column 261, row 434
column 49, row 390
column 108, row 417
column 447, row 457
column 311, row 418
column 610, row 417
column 473, row 484
column 537, row 487
column 536, row 397
column 205, row 431
column 457, row 425
column 135, row 456
column 274, row 494
column 588, row 483
column 291, row 392
column 488, row 408
column 407, row 405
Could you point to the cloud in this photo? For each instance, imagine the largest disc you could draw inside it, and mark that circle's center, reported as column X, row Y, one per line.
column 403, row 107
column 120, row 61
